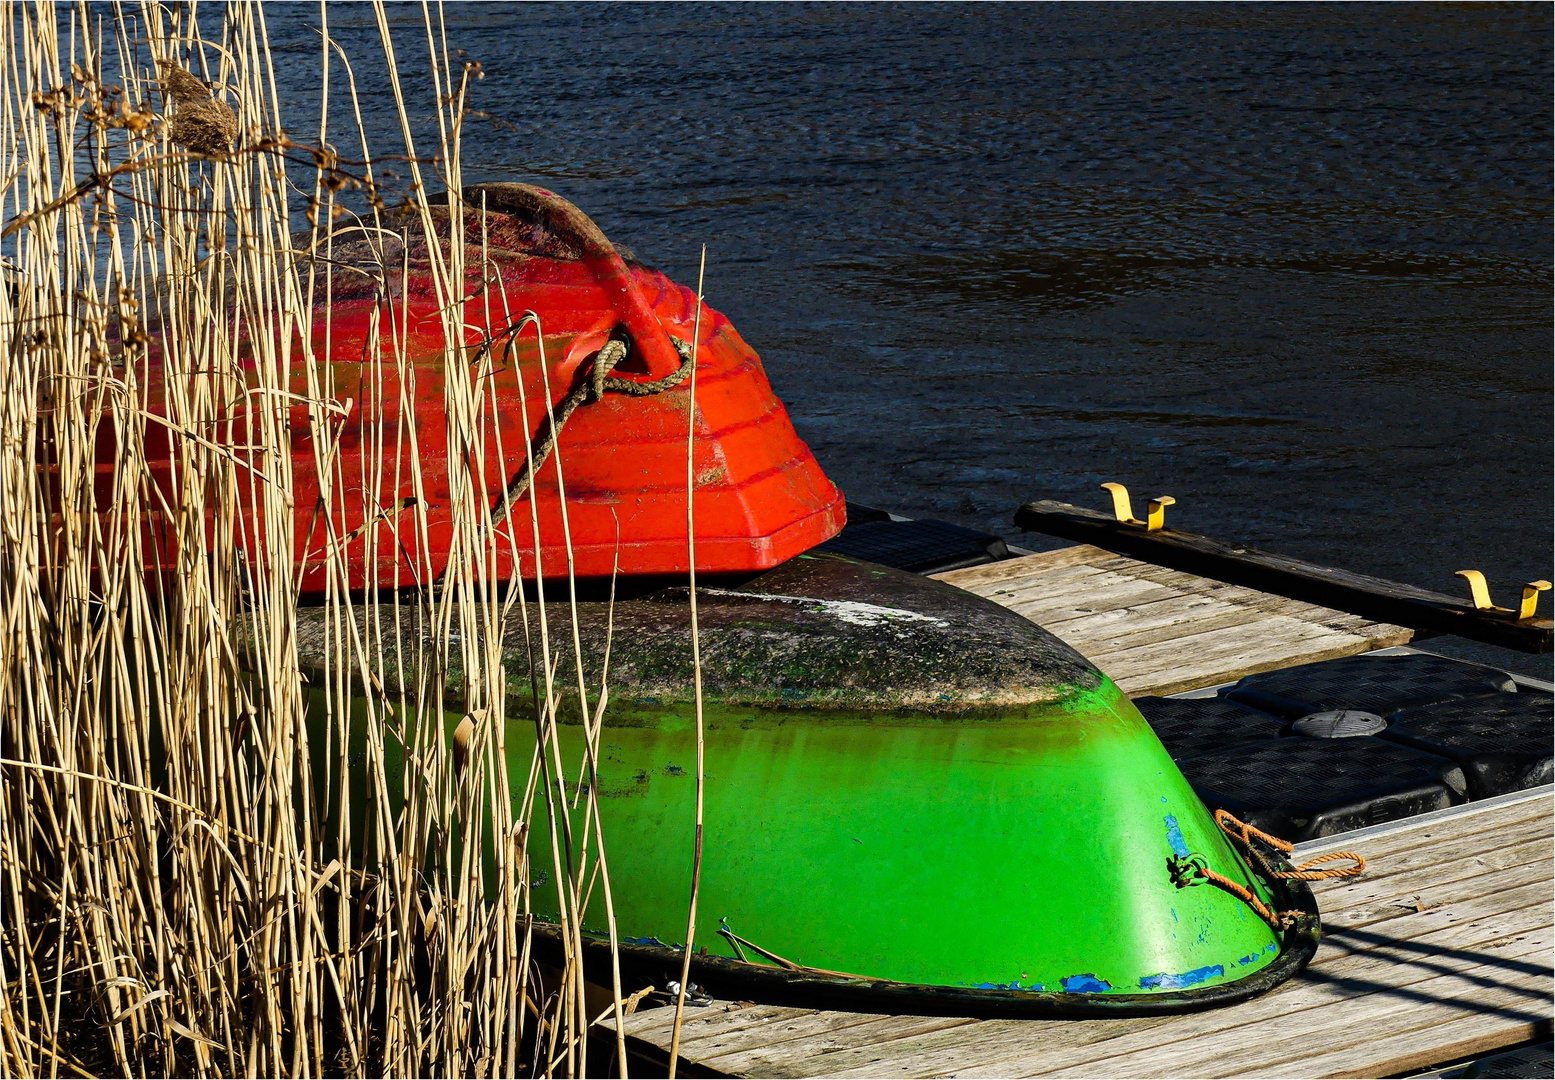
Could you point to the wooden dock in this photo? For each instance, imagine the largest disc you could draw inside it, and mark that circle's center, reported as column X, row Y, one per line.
column 1160, row 631
column 1442, row 950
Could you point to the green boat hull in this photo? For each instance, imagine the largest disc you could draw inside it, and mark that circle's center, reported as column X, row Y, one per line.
column 1022, row 854
column 915, row 799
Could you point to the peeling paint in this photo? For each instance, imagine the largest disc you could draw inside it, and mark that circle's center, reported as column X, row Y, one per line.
column 1183, row 981
column 1174, row 837
column 1087, row 983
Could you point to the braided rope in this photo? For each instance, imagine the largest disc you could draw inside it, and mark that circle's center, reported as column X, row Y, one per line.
column 1305, row 873
column 1240, row 830
column 598, row 382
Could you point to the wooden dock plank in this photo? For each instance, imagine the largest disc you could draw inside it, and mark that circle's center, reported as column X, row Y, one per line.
column 769, row 1060
column 1283, row 1045
column 1155, row 630
column 1442, row 949
column 1078, row 1045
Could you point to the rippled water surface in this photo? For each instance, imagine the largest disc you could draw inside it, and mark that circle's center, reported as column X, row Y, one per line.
column 1291, row 265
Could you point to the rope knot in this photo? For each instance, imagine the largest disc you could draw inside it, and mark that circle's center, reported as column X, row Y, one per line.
column 1187, row 870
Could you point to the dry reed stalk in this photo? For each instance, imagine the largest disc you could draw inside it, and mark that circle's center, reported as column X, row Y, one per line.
column 696, row 663
column 208, row 863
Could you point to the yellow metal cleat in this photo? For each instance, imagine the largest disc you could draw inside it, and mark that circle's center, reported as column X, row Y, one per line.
column 1123, row 508
column 1480, row 591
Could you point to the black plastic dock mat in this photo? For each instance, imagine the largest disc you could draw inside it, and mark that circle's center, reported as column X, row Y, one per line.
column 1191, row 727
column 1377, row 684
column 1299, row 789
column 923, row 547
column 1502, row 741
column 1525, row 1063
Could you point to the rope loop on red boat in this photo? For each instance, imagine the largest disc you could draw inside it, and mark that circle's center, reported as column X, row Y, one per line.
column 590, row 386
column 1190, row 870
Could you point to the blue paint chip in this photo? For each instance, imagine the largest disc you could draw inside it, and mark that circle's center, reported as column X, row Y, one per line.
column 1012, row 985
column 1174, row 837
column 1271, row 947
column 1248, row 959
column 1087, row 983
column 643, row 941
column 1183, row 981
column 1163, row 798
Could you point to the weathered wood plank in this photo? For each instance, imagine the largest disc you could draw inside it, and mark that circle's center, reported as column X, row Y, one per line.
column 789, row 1030
column 1154, row 630
column 1423, row 874
column 1169, row 621
column 1443, row 906
column 1342, row 1035
column 713, row 1020
column 1468, row 1036
column 1355, row 978
column 1223, row 656
column 1072, row 1045
column 975, row 578
column 1376, row 598
column 1059, row 599
column 770, row 1060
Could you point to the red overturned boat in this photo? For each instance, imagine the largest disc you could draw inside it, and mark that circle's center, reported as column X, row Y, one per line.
column 613, row 365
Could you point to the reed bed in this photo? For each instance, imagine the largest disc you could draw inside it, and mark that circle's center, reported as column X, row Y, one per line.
column 190, row 886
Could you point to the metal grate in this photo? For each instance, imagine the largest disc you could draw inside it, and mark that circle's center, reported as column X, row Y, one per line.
column 1190, row 727
column 923, row 547
column 1299, row 789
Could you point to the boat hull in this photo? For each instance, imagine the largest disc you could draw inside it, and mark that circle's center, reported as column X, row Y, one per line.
column 912, row 794
column 413, row 437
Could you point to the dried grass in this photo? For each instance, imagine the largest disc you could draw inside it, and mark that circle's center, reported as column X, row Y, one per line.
column 189, row 886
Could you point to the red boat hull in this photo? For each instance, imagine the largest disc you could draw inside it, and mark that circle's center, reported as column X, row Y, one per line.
column 761, row 497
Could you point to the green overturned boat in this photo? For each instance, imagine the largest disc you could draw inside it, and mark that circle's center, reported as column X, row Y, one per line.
column 916, row 801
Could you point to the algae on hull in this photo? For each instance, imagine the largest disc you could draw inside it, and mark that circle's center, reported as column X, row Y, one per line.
column 849, row 640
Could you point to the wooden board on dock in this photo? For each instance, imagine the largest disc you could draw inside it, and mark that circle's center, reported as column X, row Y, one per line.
column 1442, row 950
column 1160, row 631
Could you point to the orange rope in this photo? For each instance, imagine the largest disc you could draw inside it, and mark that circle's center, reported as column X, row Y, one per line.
column 1244, row 832
column 1185, row 870
column 1304, row 873
column 1280, row 922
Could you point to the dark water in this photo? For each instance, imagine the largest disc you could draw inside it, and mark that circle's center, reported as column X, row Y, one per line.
column 1291, row 265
